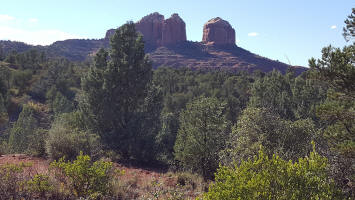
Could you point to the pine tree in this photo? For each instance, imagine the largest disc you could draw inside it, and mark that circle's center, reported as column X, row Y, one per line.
column 116, row 87
column 201, row 136
column 337, row 69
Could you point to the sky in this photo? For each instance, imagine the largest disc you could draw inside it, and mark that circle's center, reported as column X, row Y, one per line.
column 284, row 30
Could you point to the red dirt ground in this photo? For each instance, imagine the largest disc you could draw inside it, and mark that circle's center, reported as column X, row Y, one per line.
column 140, row 179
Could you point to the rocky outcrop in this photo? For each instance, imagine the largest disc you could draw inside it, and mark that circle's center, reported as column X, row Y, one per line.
column 174, row 30
column 218, row 31
column 159, row 32
column 151, row 27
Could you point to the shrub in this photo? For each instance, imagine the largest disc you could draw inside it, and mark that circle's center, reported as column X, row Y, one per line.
column 23, row 129
column 260, row 126
column 36, row 144
column 84, row 177
column 4, row 147
column 274, row 178
column 39, row 185
column 65, row 139
column 12, row 181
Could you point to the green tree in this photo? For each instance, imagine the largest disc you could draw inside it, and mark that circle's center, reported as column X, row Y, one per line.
column 201, row 136
column 274, row 93
column 116, row 87
column 166, row 137
column 349, row 29
column 265, row 177
column 23, row 129
column 259, row 126
column 67, row 137
column 336, row 67
column 3, row 112
column 338, row 111
column 307, row 94
column 57, row 102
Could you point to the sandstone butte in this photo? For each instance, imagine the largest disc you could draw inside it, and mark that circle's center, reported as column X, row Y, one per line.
column 218, row 31
column 158, row 31
column 166, row 45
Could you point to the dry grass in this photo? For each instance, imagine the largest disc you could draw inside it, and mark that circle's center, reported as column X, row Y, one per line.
column 132, row 183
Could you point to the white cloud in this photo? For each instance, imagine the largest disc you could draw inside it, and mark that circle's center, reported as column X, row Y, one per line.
column 333, row 27
column 33, row 20
column 6, row 18
column 253, row 34
column 35, row 37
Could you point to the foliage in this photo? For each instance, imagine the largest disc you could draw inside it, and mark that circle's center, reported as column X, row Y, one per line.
column 166, row 137
column 58, row 103
column 66, row 138
column 115, row 91
column 274, row 93
column 336, row 67
column 60, row 75
column 201, row 136
column 39, row 185
column 274, row 178
column 23, row 130
column 15, row 183
column 20, row 80
column 290, row 97
column 10, row 180
column 349, row 29
column 3, row 112
column 259, row 126
column 84, row 177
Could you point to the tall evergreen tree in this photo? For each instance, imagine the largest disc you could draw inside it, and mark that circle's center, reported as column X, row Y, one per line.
column 116, row 87
column 349, row 29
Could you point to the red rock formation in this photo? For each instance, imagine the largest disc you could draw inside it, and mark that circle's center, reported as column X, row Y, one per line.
column 151, row 27
column 159, row 32
column 174, row 30
column 218, row 31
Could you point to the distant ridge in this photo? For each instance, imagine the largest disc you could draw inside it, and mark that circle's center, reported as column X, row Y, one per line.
column 167, row 45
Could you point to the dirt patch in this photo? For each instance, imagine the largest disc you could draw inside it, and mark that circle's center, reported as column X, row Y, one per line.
column 143, row 182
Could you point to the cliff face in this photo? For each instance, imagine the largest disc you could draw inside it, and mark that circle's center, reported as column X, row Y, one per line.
column 174, row 30
column 157, row 31
column 151, row 27
column 218, row 31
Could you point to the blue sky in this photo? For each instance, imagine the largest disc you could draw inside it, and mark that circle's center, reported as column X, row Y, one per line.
column 278, row 29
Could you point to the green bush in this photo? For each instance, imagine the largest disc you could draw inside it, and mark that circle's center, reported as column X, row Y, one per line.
column 13, row 181
column 274, row 178
column 65, row 139
column 3, row 112
column 260, row 126
column 23, row 129
column 39, row 185
column 84, row 177
column 201, row 136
